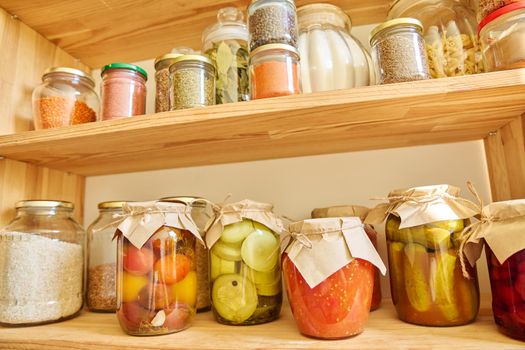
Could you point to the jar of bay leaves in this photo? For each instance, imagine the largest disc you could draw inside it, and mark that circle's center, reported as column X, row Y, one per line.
column 226, row 43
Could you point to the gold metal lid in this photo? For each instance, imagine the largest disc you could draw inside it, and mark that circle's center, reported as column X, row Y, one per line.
column 44, row 204
column 291, row 2
column 196, row 202
column 67, row 70
column 111, row 204
column 269, row 47
column 198, row 58
column 169, row 56
column 398, row 22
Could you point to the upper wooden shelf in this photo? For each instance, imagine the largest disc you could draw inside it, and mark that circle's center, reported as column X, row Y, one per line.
column 397, row 115
column 101, row 32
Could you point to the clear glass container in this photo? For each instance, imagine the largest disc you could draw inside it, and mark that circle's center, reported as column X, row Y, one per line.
column 502, row 36
column 245, row 275
column 426, row 279
column 65, row 97
column 274, row 71
column 486, row 7
column 331, row 58
column 102, row 259
column 398, row 51
column 193, row 82
column 451, row 40
column 226, row 44
column 272, row 22
column 162, row 81
column 41, row 264
column 123, row 91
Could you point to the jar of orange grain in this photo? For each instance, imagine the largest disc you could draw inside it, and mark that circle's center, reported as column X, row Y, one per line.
column 274, row 71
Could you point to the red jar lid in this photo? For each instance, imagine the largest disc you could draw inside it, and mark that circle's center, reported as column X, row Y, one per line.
column 500, row 12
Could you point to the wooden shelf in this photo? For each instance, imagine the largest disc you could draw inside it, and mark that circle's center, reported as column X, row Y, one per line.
column 384, row 331
column 397, row 115
column 101, row 32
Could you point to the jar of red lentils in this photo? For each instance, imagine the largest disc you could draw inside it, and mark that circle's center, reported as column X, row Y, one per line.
column 123, row 91
column 65, row 97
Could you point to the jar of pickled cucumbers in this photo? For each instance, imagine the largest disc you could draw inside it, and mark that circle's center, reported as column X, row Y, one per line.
column 245, row 272
column 156, row 277
column 423, row 232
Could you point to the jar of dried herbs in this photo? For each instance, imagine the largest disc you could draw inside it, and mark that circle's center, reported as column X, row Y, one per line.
column 226, row 43
column 192, row 82
column 272, row 22
column 162, row 80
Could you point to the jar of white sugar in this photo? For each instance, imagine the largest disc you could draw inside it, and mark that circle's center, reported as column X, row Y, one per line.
column 41, row 264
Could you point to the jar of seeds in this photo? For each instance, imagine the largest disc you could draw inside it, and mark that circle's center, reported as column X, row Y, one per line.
column 272, row 22
column 226, row 43
column 162, row 80
column 193, row 82
column 398, row 51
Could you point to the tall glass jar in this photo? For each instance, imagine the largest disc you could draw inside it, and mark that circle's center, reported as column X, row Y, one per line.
column 162, row 81
column 102, row 259
column 274, row 71
column 41, row 264
column 451, row 40
column 331, row 58
column 123, row 91
column 192, row 82
column 226, row 43
column 65, row 97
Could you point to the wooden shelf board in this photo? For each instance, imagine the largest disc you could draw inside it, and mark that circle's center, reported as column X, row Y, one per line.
column 384, row 331
column 102, row 32
column 376, row 117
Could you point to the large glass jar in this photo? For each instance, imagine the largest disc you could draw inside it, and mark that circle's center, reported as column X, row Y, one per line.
column 65, row 97
column 226, row 43
column 426, row 279
column 331, row 58
column 102, row 259
column 502, row 35
column 123, row 91
column 41, row 264
column 274, row 71
column 486, row 7
column 451, row 40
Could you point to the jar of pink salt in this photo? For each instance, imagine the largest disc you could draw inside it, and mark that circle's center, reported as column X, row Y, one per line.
column 123, row 91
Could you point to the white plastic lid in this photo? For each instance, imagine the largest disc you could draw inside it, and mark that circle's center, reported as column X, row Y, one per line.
column 230, row 25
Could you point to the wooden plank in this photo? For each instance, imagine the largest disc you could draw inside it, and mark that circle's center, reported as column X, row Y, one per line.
column 101, row 32
column 397, row 115
column 505, row 151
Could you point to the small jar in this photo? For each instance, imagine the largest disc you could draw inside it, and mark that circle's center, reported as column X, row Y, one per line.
column 65, row 97
column 226, row 44
column 123, row 91
column 486, row 7
column 102, row 259
column 398, row 51
column 42, row 268
column 193, row 82
column 272, row 22
column 162, row 81
column 502, row 35
column 274, row 71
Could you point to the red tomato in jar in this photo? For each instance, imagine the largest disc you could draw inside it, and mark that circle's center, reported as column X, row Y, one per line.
column 178, row 317
column 519, row 286
column 132, row 315
column 173, row 268
column 137, row 261
column 155, row 296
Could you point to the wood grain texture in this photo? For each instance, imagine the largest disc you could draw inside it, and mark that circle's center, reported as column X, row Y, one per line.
column 397, row 115
column 101, row 32
column 505, row 151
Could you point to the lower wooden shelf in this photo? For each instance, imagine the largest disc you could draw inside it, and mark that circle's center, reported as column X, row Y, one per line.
column 384, row 331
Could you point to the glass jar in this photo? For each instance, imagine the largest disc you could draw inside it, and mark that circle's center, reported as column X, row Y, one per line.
column 376, row 294
column 274, row 71
column 41, row 264
column 426, row 279
column 226, row 43
column 272, row 22
column 162, row 81
column 102, row 259
column 502, row 36
column 486, row 7
column 451, row 40
column 192, row 82
column 65, row 97
column 331, row 58
column 398, row 51
column 123, row 91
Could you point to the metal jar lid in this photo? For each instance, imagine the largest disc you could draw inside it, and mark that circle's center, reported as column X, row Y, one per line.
column 111, row 205
column 125, row 66
column 193, row 58
column 71, row 71
column 167, row 57
column 270, row 47
column 291, row 2
column 44, row 204
column 398, row 22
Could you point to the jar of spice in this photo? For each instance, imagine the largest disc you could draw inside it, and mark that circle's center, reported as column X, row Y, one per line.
column 502, row 35
column 226, row 43
column 65, row 97
column 102, row 259
column 123, row 91
column 398, row 51
column 162, row 81
column 274, row 71
column 272, row 22
column 193, row 82
column 42, row 264
column 486, row 7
